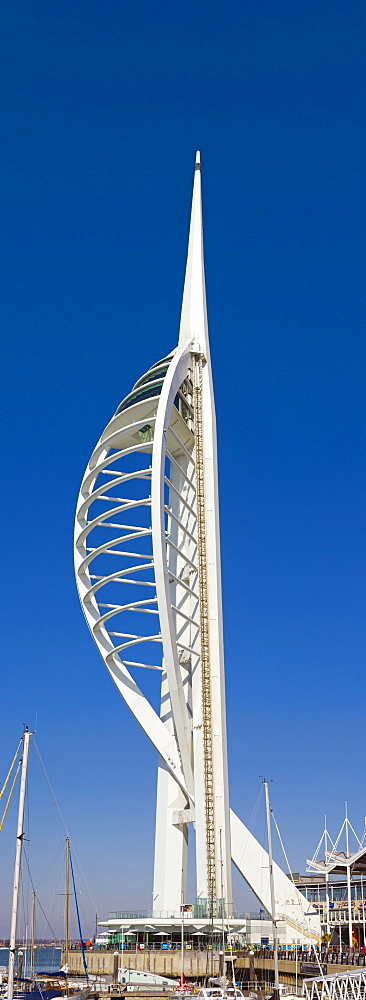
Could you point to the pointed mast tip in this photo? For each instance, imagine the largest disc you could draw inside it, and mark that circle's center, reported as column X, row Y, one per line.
column 193, row 320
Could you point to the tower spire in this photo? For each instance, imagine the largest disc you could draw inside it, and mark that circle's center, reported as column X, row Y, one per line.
column 193, row 322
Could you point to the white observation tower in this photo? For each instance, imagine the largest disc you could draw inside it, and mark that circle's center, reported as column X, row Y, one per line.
column 147, row 558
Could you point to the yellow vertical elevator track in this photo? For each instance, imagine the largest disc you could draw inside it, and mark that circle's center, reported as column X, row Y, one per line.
column 205, row 636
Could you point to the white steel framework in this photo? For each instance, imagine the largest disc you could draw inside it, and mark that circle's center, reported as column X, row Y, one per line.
column 147, row 559
column 340, row 986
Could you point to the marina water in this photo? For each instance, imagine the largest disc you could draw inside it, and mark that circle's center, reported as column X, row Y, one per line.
column 46, row 959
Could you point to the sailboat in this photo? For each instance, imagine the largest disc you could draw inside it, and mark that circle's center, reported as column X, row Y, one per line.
column 45, row 986
column 25, row 988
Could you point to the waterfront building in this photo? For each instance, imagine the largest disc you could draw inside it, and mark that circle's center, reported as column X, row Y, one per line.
column 147, row 559
column 335, row 886
column 342, row 921
column 128, row 931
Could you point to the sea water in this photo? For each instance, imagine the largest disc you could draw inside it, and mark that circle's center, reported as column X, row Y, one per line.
column 46, row 959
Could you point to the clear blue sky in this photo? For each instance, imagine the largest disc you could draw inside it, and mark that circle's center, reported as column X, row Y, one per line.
column 103, row 106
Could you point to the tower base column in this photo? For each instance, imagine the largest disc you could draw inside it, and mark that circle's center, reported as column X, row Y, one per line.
column 171, row 848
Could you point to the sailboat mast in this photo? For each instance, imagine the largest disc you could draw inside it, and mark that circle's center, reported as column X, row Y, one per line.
column 326, row 875
column 67, row 896
column 349, row 898
column 222, row 915
column 276, row 991
column 33, row 920
column 182, row 932
column 18, row 856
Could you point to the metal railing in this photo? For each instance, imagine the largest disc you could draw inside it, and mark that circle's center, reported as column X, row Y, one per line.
column 188, row 915
column 325, row 956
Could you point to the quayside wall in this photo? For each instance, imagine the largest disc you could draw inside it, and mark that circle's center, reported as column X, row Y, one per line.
column 164, row 963
column 199, row 964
